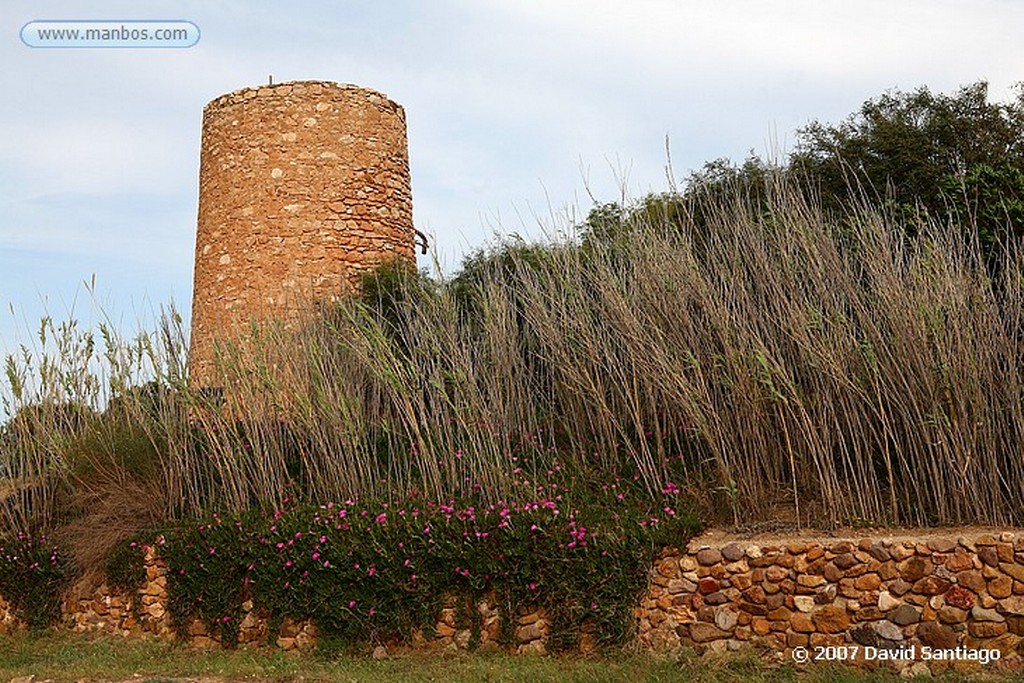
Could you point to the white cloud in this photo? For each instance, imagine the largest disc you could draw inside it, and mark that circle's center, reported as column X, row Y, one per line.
column 97, row 156
column 861, row 40
column 512, row 104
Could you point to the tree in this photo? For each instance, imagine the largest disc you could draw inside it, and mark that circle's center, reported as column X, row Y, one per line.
column 942, row 157
column 915, row 155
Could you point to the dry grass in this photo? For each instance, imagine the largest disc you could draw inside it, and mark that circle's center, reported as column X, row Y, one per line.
column 842, row 371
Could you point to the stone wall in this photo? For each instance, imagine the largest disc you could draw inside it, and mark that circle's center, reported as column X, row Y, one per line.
column 89, row 607
column 302, row 185
column 896, row 600
column 874, row 600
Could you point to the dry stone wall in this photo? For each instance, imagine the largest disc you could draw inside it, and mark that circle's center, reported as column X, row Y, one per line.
column 896, row 601
column 302, row 185
column 89, row 607
column 881, row 600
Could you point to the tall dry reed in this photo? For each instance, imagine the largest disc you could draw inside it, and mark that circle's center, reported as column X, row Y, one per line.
column 772, row 362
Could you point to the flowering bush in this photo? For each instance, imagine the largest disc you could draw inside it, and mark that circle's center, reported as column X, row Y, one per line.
column 125, row 568
column 31, row 575
column 208, row 572
column 369, row 570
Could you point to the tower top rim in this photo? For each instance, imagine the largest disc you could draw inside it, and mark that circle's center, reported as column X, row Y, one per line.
column 266, row 90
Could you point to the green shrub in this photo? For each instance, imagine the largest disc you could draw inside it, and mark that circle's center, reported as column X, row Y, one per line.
column 208, row 574
column 31, row 576
column 113, row 445
column 125, row 569
column 373, row 570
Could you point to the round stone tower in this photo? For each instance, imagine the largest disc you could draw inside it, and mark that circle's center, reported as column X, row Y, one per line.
column 302, row 185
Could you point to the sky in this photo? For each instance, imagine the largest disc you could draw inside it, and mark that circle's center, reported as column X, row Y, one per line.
column 521, row 114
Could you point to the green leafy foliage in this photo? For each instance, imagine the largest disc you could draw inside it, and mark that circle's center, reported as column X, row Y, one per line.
column 920, row 154
column 31, row 577
column 371, row 570
column 113, row 444
column 389, row 290
column 125, row 569
column 990, row 198
column 209, row 565
column 499, row 266
column 917, row 155
column 908, row 142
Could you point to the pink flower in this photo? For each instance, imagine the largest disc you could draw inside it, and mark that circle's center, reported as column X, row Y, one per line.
column 351, row 604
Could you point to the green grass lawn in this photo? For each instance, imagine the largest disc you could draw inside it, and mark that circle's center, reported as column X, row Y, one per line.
column 62, row 657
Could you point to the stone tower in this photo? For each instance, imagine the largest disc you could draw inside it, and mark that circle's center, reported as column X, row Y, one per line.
column 302, row 185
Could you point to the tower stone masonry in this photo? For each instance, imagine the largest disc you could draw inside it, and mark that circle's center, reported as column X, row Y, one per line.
column 302, row 186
